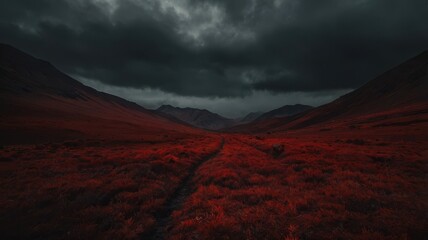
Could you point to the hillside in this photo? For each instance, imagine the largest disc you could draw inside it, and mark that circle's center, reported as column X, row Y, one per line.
column 40, row 103
column 404, row 86
column 197, row 117
column 250, row 117
column 284, row 111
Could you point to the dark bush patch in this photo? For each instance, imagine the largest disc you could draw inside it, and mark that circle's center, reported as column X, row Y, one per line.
column 362, row 205
column 6, row 159
column 183, row 155
column 43, row 203
column 107, row 197
column 72, row 144
column 380, row 159
column 298, row 168
column 356, row 141
column 277, row 150
column 315, row 179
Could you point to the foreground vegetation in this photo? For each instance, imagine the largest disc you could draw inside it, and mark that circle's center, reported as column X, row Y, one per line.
column 340, row 183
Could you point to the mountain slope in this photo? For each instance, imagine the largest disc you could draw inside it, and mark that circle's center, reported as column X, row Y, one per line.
column 38, row 102
column 250, row 117
column 284, row 111
column 404, row 86
column 399, row 87
column 196, row 117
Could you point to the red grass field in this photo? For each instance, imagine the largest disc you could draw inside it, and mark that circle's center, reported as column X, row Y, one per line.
column 359, row 179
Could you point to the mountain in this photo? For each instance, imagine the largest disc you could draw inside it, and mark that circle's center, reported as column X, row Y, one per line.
column 403, row 87
column 250, row 117
column 285, row 111
column 196, row 117
column 40, row 103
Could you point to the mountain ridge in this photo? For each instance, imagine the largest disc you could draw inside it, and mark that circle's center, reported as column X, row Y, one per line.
column 406, row 84
column 38, row 101
column 200, row 118
column 284, row 111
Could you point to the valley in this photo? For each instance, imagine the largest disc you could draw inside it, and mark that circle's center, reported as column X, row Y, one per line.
column 76, row 163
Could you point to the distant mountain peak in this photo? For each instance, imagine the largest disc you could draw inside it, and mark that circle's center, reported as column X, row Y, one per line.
column 11, row 56
column 165, row 106
column 285, row 111
column 250, row 117
column 200, row 118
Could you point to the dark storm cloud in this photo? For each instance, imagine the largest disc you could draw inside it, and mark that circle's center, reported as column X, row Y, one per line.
column 219, row 47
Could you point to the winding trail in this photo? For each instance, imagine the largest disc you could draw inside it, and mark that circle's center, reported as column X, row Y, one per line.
column 176, row 200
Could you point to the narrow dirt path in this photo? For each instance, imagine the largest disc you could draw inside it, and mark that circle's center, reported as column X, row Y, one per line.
column 175, row 201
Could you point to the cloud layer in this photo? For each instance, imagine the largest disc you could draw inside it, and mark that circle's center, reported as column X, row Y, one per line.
column 220, row 48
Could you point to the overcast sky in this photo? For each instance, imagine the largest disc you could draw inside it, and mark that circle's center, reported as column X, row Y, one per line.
column 228, row 56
